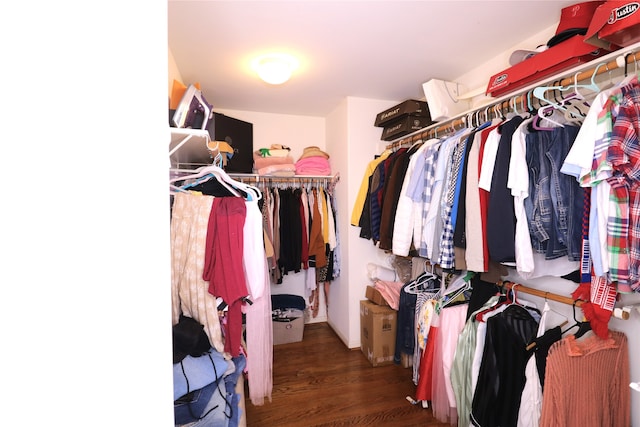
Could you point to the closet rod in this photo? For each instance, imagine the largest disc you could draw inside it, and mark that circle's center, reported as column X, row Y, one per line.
column 299, row 178
column 553, row 297
column 539, row 293
column 604, row 64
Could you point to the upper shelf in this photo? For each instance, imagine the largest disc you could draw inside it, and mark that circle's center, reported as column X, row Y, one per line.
column 188, row 148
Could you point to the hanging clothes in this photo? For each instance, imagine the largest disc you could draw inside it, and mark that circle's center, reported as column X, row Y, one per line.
column 446, row 257
column 496, row 398
column 462, row 363
column 223, row 267
column 259, row 334
column 189, row 290
column 364, row 190
column 531, row 400
column 473, row 239
column 291, row 235
column 500, row 213
column 459, row 209
column 587, row 382
column 452, row 321
column 392, row 194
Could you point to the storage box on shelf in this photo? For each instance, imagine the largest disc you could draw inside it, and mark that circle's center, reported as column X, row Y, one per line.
column 410, row 107
column 615, row 23
column 558, row 58
column 404, row 126
column 402, row 119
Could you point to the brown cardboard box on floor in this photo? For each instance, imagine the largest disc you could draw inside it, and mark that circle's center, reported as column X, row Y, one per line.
column 377, row 333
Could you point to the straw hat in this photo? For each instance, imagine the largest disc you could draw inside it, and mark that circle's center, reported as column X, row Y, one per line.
column 313, row 151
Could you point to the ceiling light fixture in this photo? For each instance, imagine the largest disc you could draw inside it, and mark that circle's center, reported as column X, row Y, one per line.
column 275, row 68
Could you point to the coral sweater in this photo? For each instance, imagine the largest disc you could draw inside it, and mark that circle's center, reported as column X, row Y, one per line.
column 587, row 383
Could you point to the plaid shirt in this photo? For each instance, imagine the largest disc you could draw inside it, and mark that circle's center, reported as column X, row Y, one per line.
column 447, row 257
column 617, row 210
column 624, row 155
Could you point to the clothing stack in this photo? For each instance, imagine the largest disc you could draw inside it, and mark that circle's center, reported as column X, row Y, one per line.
column 204, row 380
column 205, row 390
column 274, row 161
column 313, row 161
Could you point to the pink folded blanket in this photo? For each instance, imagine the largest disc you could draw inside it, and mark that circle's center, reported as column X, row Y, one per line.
column 314, row 165
column 278, row 170
column 260, row 162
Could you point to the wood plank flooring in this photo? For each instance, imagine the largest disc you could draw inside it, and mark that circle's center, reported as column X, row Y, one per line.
column 320, row 382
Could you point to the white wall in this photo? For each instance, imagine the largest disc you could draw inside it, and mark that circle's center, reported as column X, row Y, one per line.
column 339, row 316
column 85, row 240
column 351, row 131
column 174, row 73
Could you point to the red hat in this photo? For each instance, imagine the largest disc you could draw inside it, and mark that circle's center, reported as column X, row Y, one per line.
column 574, row 20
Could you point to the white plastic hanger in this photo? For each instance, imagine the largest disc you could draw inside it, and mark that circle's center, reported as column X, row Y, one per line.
column 416, row 286
column 459, row 286
column 211, row 171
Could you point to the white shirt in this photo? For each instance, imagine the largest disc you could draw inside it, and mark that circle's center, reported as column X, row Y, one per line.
column 518, row 182
column 489, row 159
column 405, row 212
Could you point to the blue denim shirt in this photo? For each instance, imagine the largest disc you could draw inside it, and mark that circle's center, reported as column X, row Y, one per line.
column 554, row 205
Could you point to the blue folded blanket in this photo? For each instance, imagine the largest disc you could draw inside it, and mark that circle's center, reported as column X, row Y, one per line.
column 199, row 371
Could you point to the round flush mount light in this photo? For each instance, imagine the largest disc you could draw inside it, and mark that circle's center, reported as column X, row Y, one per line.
column 275, row 68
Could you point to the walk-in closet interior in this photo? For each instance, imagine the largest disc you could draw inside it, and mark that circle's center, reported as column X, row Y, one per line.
column 155, row 257
column 500, row 234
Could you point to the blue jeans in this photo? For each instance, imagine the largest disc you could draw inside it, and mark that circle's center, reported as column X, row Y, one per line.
column 405, row 328
column 554, row 205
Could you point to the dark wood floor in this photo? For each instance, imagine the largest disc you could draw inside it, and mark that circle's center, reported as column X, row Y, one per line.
column 320, row 382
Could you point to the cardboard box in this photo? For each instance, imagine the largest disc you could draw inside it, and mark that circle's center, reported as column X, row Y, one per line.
column 409, row 107
column 377, row 333
column 374, row 295
column 615, row 23
column 288, row 331
column 403, row 126
column 558, row 58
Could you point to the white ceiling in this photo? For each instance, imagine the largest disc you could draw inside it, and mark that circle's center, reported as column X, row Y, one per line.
column 371, row 49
